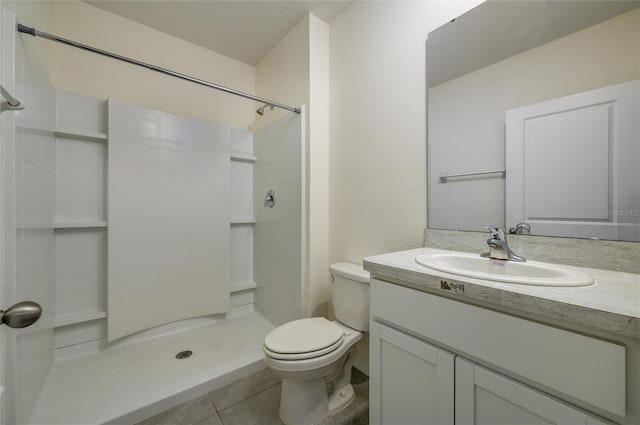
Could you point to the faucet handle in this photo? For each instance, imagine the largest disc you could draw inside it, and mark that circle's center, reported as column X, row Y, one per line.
column 521, row 229
column 496, row 232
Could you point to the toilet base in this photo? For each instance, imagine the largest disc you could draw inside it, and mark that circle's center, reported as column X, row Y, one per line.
column 307, row 401
column 341, row 399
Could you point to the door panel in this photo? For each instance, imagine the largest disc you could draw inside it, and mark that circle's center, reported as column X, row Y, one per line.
column 28, row 158
column 412, row 381
column 573, row 164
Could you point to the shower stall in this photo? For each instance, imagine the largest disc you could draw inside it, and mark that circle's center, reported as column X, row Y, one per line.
column 161, row 248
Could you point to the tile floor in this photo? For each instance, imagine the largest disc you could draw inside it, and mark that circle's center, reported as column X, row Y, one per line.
column 255, row 400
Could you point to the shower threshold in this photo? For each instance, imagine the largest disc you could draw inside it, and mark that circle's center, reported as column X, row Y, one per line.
column 134, row 381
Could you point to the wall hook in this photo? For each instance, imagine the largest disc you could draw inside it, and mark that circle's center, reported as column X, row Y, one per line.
column 11, row 104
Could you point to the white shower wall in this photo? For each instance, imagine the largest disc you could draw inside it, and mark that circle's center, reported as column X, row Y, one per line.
column 82, row 225
column 279, row 251
column 168, row 240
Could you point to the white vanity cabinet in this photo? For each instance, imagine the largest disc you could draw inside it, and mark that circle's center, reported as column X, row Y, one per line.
column 434, row 360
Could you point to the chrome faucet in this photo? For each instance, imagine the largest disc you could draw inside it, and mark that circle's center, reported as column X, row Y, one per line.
column 498, row 246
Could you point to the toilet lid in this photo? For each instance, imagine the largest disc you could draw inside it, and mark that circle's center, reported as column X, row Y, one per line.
column 303, row 356
column 304, row 336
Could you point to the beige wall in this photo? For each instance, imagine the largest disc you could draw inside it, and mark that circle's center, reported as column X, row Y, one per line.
column 35, row 14
column 87, row 73
column 378, row 125
column 296, row 72
column 318, row 293
column 467, row 114
column 377, row 156
column 283, row 74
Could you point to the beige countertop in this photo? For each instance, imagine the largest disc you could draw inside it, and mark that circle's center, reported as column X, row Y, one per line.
column 611, row 304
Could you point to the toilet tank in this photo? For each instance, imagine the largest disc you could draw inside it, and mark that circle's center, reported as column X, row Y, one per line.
column 350, row 295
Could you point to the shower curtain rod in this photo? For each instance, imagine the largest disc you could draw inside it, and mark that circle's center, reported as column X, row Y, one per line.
column 34, row 32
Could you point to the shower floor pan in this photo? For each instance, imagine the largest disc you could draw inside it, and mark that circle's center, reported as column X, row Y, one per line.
column 131, row 382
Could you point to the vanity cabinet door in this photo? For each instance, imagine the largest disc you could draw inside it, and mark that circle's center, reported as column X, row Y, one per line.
column 486, row 397
column 411, row 381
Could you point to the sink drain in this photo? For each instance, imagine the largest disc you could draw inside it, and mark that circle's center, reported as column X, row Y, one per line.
column 184, row 354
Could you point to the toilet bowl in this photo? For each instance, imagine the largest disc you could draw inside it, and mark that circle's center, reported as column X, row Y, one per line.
column 307, row 353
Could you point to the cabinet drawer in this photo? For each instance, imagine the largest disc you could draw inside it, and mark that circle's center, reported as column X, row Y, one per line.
column 585, row 368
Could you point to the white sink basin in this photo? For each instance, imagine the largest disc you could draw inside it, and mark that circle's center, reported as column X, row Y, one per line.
column 527, row 273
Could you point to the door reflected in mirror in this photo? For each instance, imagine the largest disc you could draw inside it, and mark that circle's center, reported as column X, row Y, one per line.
column 570, row 170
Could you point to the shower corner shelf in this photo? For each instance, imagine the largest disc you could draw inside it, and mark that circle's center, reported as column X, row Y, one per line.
column 80, row 225
column 243, row 220
column 244, row 157
column 74, row 318
column 242, row 286
column 80, row 133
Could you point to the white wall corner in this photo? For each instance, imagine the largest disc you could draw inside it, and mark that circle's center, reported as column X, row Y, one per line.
column 318, row 293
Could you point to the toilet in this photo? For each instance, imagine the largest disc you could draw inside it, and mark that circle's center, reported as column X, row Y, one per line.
column 308, row 353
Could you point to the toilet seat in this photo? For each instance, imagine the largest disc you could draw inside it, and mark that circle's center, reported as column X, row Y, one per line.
column 303, row 339
column 302, row 356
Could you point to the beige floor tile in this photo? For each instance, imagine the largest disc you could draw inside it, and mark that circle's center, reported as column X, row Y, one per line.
column 261, row 409
column 211, row 420
column 240, row 390
column 247, row 404
column 186, row 414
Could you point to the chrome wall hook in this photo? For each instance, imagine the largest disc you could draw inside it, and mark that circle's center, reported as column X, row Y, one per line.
column 11, row 104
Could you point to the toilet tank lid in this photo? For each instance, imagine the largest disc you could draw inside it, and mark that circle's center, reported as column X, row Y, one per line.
column 350, row 271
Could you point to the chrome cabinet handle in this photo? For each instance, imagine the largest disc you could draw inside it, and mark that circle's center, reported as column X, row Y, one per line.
column 21, row 315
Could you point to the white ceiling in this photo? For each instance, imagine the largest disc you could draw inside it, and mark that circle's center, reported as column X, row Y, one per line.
column 241, row 29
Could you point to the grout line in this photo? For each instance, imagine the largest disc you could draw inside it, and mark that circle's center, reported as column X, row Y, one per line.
column 215, row 408
column 217, row 415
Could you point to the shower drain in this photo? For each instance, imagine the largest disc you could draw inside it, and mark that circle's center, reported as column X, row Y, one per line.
column 184, row 354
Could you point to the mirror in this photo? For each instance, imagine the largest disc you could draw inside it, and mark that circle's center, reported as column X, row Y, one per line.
column 491, row 158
